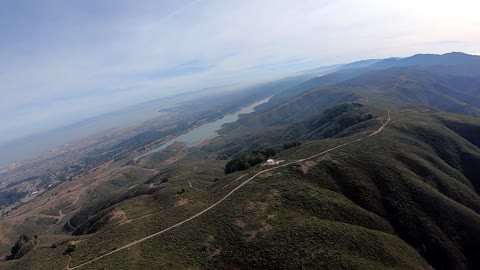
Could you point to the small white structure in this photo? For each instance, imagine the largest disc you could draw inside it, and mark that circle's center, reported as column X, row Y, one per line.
column 270, row 162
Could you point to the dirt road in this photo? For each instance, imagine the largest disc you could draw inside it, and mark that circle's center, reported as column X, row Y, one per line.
column 61, row 215
column 226, row 196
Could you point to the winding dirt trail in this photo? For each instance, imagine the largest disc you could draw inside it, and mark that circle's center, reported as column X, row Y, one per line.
column 191, row 186
column 61, row 215
column 380, row 129
column 68, row 262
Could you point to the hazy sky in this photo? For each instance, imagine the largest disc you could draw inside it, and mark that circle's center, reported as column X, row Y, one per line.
column 61, row 61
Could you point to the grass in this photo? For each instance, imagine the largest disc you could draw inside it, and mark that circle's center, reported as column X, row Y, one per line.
column 397, row 200
column 279, row 247
column 404, row 199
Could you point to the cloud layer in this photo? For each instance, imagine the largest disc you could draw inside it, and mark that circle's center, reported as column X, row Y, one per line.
column 64, row 61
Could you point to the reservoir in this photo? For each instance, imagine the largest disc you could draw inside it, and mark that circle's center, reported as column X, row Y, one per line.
column 205, row 131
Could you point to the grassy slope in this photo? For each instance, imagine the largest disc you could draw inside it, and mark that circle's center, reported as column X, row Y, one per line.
column 425, row 86
column 415, row 177
column 358, row 208
column 326, row 124
column 392, row 201
column 403, row 200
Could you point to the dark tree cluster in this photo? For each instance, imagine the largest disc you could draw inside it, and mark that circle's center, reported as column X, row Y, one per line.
column 246, row 161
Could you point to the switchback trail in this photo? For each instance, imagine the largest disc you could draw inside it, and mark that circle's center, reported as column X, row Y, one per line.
column 226, row 196
column 61, row 215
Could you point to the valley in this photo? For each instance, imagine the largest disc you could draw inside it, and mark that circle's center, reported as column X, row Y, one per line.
column 240, row 135
column 229, row 194
column 379, row 172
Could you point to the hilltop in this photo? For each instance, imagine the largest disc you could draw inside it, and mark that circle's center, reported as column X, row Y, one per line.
column 379, row 171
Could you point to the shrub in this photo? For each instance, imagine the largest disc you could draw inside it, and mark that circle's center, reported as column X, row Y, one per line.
column 292, row 144
column 69, row 250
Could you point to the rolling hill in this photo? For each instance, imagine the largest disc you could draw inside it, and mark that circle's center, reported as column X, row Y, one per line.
column 406, row 198
column 380, row 171
column 431, row 86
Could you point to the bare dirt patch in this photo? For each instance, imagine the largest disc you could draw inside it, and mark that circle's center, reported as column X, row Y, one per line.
column 310, row 163
column 264, row 227
column 302, row 168
column 134, row 219
column 182, row 201
column 179, row 155
column 273, row 193
column 118, row 216
column 260, row 206
column 74, row 242
column 205, row 143
column 270, row 216
column 265, row 175
column 210, row 248
column 240, row 223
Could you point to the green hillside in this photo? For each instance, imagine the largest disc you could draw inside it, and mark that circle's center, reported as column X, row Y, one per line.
column 451, row 93
column 422, row 86
column 379, row 170
column 405, row 198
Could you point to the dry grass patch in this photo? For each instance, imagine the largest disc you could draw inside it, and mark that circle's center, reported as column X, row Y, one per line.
column 118, row 216
column 264, row 228
column 265, row 175
column 182, row 201
column 240, row 223
column 210, row 248
column 260, row 206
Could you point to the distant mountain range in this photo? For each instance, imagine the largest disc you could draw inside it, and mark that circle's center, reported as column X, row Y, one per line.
column 429, row 60
column 453, row 87
column 419, row 176
column 380, row 170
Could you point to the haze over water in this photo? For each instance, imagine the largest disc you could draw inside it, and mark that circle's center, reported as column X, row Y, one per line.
column 205, row 131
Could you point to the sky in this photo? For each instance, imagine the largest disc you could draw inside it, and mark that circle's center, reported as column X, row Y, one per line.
column 64, row 61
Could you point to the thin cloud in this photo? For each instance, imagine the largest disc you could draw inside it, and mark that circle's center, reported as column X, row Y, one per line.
column 64, row 61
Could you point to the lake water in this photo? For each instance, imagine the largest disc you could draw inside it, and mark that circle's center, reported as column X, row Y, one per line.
column 199, row 134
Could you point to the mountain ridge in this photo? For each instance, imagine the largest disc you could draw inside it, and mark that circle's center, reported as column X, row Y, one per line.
column 379, row 171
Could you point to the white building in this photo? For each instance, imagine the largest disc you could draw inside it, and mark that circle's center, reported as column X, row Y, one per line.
column 270, row 162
